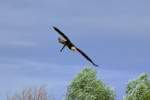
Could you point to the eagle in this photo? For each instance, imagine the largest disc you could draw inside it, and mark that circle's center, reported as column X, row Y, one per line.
column 67, row 43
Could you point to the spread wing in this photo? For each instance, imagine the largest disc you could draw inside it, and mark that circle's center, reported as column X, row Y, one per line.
column 61, row 33
column 83, row 54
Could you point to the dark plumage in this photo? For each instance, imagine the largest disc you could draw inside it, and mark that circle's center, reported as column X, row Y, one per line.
column 66, row 42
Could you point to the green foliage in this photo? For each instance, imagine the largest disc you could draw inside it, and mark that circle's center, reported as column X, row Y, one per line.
column 86, row 87
column 139, row 89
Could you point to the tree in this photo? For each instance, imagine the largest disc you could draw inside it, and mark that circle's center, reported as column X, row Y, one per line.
column 139, row 89
column 86, row 87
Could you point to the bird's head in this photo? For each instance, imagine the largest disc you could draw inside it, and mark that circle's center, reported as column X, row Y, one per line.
column 61, row 40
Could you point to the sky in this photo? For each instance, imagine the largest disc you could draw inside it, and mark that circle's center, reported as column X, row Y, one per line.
column 114, row 33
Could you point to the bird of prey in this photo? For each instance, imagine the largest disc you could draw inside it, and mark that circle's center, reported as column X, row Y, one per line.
column 66, row 42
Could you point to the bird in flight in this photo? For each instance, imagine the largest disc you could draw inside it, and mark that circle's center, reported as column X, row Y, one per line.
column 66, row 42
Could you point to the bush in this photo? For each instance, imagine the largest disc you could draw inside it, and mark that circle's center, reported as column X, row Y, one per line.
column 30, row 94
column 86, row 87
column 139, row 89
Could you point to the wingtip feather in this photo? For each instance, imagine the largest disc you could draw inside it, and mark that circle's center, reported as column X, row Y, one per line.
column 54, row 27
column 95, row 65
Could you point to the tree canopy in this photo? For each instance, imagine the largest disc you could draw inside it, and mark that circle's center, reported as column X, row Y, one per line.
column 139, row 89
column 86, row 86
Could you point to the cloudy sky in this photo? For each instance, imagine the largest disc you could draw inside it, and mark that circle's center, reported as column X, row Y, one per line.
column 115, row 33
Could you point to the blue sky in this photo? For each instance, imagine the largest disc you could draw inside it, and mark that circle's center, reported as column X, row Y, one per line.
column 115, row 33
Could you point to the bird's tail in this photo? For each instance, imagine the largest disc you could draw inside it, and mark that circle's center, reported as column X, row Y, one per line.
column 62, row 48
